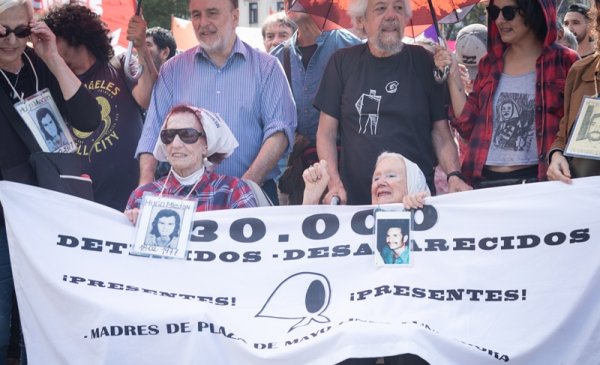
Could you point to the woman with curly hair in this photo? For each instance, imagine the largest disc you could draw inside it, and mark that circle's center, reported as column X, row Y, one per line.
column 84, row 43
column 78, row 26
column 582, row 81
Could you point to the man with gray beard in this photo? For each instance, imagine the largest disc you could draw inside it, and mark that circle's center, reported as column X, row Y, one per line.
column 381, row 96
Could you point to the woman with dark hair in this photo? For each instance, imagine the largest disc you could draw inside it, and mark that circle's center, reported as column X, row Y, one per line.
column 193, row 140
column 582, row 81
column 50, row 129
column 165, row 229
column 524, row 67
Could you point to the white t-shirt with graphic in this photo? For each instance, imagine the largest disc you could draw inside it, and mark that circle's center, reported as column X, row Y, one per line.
column 513, row 138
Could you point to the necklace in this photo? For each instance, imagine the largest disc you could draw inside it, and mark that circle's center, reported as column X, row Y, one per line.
column 17, row 79
column 15, row 93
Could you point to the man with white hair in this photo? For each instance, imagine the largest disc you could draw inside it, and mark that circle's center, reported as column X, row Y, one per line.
column 381, row 96
column 276, row 29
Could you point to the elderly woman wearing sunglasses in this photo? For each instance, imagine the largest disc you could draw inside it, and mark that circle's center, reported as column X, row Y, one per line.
column 510, row 118
column 192, row 140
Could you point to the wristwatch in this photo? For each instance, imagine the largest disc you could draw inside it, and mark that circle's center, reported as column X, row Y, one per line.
column 454, row 173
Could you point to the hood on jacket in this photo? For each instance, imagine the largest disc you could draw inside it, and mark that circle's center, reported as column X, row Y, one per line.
column 495, row 45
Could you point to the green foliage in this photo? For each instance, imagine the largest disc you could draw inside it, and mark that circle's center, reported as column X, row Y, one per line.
column 477, row 15
column 158, row 12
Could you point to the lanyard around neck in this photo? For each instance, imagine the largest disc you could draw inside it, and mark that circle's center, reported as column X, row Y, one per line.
column 37, row 88
column 167, row 180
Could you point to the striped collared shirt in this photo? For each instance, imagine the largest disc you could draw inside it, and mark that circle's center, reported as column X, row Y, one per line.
column 249, row 91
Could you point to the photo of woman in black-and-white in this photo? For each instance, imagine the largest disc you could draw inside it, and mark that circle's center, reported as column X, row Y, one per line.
column 51, row 130
column 165, row 229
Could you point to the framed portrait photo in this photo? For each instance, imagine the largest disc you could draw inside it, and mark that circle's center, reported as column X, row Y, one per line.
column 584, row 140
column 42, row 117
column 392, row 236
column 163, row 227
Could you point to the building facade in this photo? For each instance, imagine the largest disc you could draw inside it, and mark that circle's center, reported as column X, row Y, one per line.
column 254, row 12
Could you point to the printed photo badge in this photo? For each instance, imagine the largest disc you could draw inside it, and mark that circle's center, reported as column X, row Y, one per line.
column 392, row 238
column 42, row 117
column 584, row 140
column 163, row 227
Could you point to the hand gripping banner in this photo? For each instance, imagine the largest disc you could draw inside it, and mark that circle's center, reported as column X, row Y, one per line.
column 499, row 276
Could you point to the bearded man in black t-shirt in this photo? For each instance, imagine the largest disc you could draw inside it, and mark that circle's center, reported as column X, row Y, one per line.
column 381, row 96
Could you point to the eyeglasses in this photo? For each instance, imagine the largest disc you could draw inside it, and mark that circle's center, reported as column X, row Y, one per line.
column 186, row 135
column 22, row 31
column 508, row 12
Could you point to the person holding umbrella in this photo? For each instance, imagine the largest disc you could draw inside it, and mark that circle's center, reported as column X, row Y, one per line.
column 523, row 74
column 582, row 81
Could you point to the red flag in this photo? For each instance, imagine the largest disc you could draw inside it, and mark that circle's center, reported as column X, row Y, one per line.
column 115, row 13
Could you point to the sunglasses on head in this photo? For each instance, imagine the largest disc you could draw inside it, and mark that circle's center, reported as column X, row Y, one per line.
column 508, row 12
column 186, row 135
column 22, row 31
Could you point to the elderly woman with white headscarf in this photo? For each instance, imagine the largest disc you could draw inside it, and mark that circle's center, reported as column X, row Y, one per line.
column 192, row 140
column 396, row 179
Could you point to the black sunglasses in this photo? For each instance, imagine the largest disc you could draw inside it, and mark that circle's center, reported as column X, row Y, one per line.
column 187, row 135
column 508, row 12
column 22, row 31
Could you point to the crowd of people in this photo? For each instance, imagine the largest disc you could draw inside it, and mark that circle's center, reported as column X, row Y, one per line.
column 351, row 120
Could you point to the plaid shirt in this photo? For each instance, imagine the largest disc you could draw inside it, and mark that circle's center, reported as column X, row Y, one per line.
column 475, row 123
column 213, row 192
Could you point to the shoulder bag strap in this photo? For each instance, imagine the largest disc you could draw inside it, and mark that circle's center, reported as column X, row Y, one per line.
column 287, row 65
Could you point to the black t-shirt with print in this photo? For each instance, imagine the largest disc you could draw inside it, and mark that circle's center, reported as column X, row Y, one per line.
column 110, row 150
column 381, row 104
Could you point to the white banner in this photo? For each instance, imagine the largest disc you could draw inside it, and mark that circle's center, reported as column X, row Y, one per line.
column 507, row 275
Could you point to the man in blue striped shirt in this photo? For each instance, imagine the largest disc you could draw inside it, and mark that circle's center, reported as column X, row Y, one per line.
column 245, row 86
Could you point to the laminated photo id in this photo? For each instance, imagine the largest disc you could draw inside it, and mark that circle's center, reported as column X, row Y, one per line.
column 43, row 119
column 163, row 227
column 392, row 237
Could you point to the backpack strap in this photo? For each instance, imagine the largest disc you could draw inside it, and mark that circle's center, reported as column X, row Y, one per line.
column 287, row 64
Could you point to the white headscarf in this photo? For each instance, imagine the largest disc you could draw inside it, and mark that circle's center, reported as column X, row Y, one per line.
column 7, row 4
column 219, row 138
column 415, row 180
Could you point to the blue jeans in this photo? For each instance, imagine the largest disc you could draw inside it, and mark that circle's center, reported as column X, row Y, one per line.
column 6, row 294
